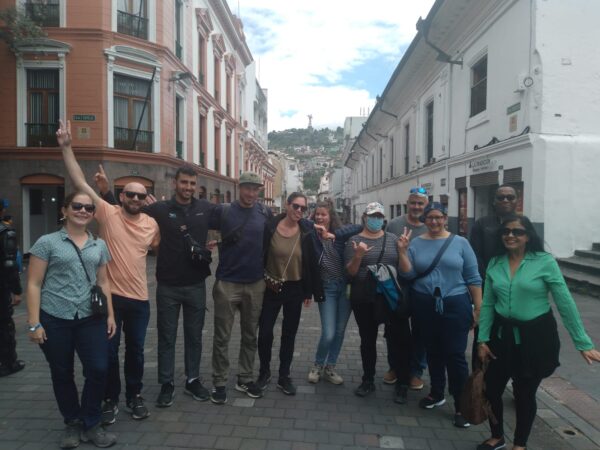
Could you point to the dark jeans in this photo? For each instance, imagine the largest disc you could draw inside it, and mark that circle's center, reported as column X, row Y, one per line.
column 397, row 334
column 290, row 299
column 8, row 344
column 418, row 359
column 132, row 316
column 88, row 337
column 445, row 337
column 169, row 300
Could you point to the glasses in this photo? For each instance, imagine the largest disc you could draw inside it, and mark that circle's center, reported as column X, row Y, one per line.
column 509, row 197
column 76, row 206
column 297, row 207
column 130, row 194
column 516, row 232
column 418, row 190
column 434, row 218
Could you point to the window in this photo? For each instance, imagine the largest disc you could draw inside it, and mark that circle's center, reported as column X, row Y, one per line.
column 391, row 158
column 380, row 165
column 373, row 170
column 479, row 86
column 201, row 60
column 132, row 18
column 429, row 130
column 178, row 30
column 228, row 93
column 217, row 75
column 132, row 114
column 42, row 108
column 217, row 147
column 46, row 13
column 228, row 154
column 406, row 147
column 202, row 140
column 178, row 127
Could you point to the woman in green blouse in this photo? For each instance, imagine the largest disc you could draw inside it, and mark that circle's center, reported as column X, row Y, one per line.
column 517, row 330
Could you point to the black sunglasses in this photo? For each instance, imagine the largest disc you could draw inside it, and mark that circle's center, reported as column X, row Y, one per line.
column 76, row 206
column 297, row 207
column 509, row 197
column 130, row 194
column 516, row 232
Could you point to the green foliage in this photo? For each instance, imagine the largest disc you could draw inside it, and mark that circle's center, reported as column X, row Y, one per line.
column 18, row 28
column 297, row 137
column 312, row 179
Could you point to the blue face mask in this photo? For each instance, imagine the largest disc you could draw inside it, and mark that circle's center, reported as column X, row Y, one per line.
column 374, row 224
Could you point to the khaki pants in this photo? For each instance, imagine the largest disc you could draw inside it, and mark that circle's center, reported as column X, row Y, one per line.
column 248, row 299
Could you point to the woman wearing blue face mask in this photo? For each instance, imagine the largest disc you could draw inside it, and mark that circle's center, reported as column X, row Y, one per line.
column 373, row 245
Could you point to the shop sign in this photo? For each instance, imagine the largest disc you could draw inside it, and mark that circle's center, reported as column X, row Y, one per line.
column 483, row 165
column 84, row 117
column 513, row 109
column 427, row 186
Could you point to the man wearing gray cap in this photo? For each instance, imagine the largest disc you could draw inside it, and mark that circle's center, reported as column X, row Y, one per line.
column 239, row 284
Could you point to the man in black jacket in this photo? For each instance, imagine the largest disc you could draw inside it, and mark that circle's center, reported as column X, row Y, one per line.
column 181, row 269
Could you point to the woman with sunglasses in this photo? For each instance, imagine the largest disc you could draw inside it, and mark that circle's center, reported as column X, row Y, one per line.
column 61, row 321
column 292, row 278
column 446, row 298
column 517, row 331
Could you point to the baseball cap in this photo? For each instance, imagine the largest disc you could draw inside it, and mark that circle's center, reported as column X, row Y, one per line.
column 374, row 208
column 437, row 206
column 250, row 178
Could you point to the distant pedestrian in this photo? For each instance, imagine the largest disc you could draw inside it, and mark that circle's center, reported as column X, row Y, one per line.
column 517, row 331
column 62, row 268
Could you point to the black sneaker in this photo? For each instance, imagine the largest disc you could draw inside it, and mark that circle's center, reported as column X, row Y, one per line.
column 70, row 437
column 263, row 380
column 196, row 390
column 365, row 388
column 9, row 369
column 250, row 388
column 286, row 386
column 109, row 412
column 219, row 395
column 487, row 446
column 165, row 398
column 400, row 394
column 98, row 436
column 460, row 421
column 137, row 408
column 429, row 402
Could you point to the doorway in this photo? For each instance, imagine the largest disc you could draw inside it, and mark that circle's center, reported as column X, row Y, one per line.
column 41, row 211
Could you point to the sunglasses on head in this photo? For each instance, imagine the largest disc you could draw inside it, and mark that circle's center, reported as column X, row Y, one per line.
column 130, row 194
column 297, row 207
column 509, row 197
column 516, row 232
column 76, row 206
column 418, row 190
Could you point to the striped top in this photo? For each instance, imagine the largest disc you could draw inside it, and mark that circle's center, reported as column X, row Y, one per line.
column 331, row 263
column 390, row 255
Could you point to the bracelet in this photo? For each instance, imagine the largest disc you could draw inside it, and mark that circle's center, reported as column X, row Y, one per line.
column 33, row 328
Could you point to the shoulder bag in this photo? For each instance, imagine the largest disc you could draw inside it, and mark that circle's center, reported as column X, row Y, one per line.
column 274, row 283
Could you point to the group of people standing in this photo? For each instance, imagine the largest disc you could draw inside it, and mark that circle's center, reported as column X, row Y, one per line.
column 269, row 264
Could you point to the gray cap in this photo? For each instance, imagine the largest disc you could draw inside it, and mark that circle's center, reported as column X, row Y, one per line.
column 250, row 178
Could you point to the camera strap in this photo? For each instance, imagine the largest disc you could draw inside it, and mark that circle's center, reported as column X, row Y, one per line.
column 226, row 211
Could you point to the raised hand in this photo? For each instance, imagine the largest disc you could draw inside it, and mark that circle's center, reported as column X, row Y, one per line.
column 63, row 135
column 404, row 240
column 360, row 248
column 101, row 180
column 150, row 199
column 591, row 355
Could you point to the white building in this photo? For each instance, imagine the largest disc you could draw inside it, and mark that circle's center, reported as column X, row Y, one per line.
column 511, row 95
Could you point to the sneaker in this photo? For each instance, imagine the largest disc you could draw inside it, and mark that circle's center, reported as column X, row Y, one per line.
column 165, row 398
column 250, row 388
column 98, row 436
column 390, row 377
column 286, row 386
column 196, row 390
column 329, row 374
column 263, row 380
column 400, row 394
column 109, row 412
column 429, row 402
column 315, row 374
column 9, row 369
column 365, row 388
column 416, row 384
column 137, row 408
column 485, row 445
column 70, row 437
column 218, row 395
column 460, row 421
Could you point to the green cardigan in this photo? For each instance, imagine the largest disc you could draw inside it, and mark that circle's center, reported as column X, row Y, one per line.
column 525, row 297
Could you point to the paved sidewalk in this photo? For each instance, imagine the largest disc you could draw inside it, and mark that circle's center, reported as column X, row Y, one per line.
column 322, row 416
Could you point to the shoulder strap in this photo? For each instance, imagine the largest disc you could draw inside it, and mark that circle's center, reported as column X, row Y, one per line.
column 382, row 248
column 80, row 259
column 437, row 258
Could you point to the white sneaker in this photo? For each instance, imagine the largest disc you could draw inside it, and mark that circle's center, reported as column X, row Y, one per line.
column 330, row 375
column 315, row 374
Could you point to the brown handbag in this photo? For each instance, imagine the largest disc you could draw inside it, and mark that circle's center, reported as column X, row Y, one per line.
column 474, row 405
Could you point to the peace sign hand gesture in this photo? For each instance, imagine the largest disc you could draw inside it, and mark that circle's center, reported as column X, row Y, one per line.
column 404, row 240
column 63, row 135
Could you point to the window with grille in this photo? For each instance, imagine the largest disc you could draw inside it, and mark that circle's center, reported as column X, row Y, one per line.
column 479, row 86
column 43, row 109
column 132, row 18
column 132, row 113
column 429, row 122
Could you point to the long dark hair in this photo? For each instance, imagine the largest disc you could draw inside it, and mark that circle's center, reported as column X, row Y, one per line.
column 534, row 244
column 334, row 220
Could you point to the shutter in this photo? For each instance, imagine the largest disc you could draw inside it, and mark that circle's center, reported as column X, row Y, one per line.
column 513, row 175
column 460, row 183
column 484, row 179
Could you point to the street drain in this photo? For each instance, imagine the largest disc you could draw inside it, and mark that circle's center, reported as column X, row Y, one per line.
column 569, row 432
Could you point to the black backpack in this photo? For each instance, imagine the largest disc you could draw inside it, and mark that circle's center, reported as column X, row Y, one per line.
column 8, row 247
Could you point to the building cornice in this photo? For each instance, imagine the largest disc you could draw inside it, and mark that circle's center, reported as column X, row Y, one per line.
column 226, row 19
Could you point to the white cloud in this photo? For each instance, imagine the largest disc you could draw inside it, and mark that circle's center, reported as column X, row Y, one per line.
column 303, row 50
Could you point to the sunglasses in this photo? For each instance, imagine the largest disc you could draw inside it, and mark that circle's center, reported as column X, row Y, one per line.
column 130, row 194
column 509, row 197
column 418, row 190
column 516, row 232
column 297, row 207
column 76, row 206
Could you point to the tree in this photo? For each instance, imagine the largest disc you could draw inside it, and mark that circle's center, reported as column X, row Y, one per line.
column 18, row 28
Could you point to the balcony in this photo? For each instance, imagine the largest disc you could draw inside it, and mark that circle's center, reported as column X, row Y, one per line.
column 132, row 24
column 45, row 15
column 41, row 134
column 179, row 149
column 178, row 49
column 124, row 139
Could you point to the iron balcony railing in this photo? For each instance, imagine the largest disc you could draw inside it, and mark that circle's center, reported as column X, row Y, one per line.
column 132, row 24
column 41, row 134
column 124, row 138
column 45, row 15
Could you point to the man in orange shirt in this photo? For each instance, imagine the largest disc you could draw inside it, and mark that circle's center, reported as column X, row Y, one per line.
column 128, row 233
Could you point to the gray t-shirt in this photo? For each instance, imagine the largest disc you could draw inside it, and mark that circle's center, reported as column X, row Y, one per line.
column 390, row 254
column 396, row 226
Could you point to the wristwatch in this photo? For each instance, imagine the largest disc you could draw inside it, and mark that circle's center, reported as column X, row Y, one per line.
column 35, row 327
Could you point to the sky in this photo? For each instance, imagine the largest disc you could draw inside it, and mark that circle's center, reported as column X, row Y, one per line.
column 327, row 58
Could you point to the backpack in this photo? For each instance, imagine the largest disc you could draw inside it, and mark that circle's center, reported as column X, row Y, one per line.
column 8, row 247
column 388, row 286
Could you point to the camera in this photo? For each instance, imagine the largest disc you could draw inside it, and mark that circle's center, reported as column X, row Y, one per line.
column 232, row 237
column 198, row 255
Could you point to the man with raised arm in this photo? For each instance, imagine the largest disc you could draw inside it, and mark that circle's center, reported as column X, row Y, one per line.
column 128, row 234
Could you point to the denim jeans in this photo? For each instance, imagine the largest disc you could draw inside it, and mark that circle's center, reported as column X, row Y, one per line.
column 169, row 301
column 88, row 337
column 335, row 312
column 132, row 316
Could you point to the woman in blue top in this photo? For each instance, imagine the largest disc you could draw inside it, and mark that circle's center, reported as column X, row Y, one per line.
column 61, row 319
column 446, row 303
